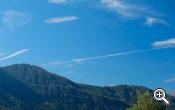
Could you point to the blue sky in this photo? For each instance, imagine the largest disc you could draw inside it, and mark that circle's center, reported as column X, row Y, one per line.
column 99, row 42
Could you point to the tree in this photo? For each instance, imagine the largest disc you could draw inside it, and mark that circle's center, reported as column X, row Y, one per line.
column 146, row 102
column 3, row 108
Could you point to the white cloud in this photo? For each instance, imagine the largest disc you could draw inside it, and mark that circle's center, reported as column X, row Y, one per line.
column 87, row 59
column 170, row 80
column 61, row 19
column 12, row 19
column 150, row 21
column 127, row 9
column 14, row 54
column 164, row 43
column 57, row 1
column 134, row 10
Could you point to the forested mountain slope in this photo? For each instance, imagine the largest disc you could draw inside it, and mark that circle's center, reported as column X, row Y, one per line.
column 26, row 87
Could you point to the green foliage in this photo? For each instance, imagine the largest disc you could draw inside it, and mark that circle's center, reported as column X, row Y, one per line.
column 3, row 108
column 146, row 102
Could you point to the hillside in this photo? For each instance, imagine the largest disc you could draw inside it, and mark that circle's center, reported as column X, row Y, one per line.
column 16, row 95
column 26, row 87
column 173, row 93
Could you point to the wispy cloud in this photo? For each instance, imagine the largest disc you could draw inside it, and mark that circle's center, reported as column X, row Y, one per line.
column 127, row 9
column 61, row 19
column 18, row 53
column 164, row 43
column 150, row 21
column 12, row 19
column 87, row 59
column 57, row 1
column 170, row 80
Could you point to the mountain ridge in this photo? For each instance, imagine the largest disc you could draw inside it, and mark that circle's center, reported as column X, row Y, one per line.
column 56, row 92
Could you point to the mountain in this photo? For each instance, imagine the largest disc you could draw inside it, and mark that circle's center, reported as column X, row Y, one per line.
column 13, row 93
column 29, row 87
column 59, row 93
column 173, row 93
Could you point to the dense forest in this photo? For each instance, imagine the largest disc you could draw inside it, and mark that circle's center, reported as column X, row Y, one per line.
column 28, row 87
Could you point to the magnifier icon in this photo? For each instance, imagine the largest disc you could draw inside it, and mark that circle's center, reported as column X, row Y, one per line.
column 159, row 94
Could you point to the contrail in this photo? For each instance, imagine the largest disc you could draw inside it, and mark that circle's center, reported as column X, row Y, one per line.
column 80, row 60
column 14, row 54
column 170, row 80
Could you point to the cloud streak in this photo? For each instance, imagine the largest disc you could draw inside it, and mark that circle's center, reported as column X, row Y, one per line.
column 57, row 20
column 18, row 53
column 87, row 59
column 57, row 1
column 170, row 80
column 150, row 21
column 127, row 9
column 164, row 43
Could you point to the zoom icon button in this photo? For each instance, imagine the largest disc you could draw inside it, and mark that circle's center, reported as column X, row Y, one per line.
column 160, row 95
